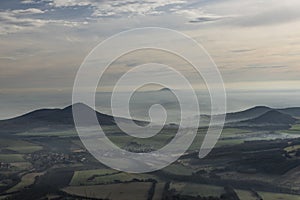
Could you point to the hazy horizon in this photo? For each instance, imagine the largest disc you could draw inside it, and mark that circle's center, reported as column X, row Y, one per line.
column 255, row 44
column 237, row 101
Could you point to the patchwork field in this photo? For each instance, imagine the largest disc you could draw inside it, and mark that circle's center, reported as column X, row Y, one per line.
column 215, row 191
column 120, row 191
column 19, row 146
column 249, row 161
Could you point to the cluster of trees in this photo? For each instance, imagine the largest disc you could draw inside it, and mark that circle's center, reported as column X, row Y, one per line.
column 171, row 194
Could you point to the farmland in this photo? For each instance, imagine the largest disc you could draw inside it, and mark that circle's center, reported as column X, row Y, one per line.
column 61, row 155
column 26, row 180
column 19, row 146
column 121, row 191
column 246, row 163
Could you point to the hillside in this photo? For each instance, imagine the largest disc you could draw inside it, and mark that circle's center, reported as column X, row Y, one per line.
column 295, row 112
column 273, row 117
column 52, row 119
column 247, row 114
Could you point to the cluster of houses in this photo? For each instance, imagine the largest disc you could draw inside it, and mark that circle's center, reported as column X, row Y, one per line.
column 4, row 165
column 44, row 159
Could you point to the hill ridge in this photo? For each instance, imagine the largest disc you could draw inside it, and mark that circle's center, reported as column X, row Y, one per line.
column 53, row 118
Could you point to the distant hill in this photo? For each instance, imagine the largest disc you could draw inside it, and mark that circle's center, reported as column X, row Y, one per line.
column 257, row 111
column 273, row 117
column 271, row 120
column 52, row 119
column 247, row 114
column 295, row 112
column 165, row 89
column 59, row 119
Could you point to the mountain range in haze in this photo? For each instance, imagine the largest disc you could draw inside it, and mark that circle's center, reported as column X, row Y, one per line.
column 258, row 111
column 49, row 119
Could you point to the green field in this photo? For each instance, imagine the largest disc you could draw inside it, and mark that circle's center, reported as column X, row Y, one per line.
column 215, row 191
column 81, row 177
column 26, row 181
column 196, row 189
column 295, row 129
column 292, row 148
column 19, row 146
column 9, row 158
column 233, row 131
column 278, row 196
column 178, row 169
column 228, row 137
column 67, row 133
column 26, row 149
column 156, row 142
column 21, row 165
column 120, row 191
column 4, row 197
column 247, row 195
column 103, row 176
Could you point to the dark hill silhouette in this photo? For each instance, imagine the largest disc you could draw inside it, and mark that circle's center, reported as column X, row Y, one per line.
column 165, row 89
column 59, row 119
column 247, row 114
column 52, row 118
column 273, row 117
column 295, row 112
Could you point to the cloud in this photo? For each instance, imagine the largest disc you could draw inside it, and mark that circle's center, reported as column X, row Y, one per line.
column 8, row 58
column 66, row 3
column 205, row 19
column 121, row 8
column 256, row 13
column 259, row 66
column 11, row 22
column 29, row 11
column 240, row 13
column 271, row 17
column 198, row 15
column 28, row 2
column 242, row 50
column 19, row 19
column 247, row 13
column 30, row 14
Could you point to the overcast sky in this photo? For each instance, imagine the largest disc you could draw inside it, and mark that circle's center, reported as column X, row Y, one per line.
column 255, row 43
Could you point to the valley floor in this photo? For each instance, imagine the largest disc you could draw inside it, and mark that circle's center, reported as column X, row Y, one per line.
column 246, row 164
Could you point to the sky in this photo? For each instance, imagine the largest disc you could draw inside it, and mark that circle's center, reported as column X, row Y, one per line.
column 254, row 43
